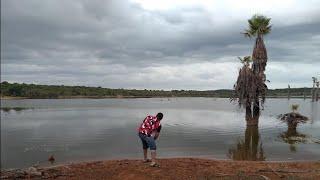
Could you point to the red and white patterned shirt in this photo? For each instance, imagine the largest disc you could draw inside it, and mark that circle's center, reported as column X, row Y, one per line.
column 149, row 124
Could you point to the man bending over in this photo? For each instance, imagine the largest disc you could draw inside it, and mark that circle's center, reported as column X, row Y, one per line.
column 149, row 131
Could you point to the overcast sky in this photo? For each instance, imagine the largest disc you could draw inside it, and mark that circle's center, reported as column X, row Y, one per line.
column 165, row 44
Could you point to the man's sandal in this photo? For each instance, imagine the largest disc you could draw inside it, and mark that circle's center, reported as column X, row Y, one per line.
column 154, row 164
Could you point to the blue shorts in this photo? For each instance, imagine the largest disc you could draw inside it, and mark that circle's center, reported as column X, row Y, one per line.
column 148, row 142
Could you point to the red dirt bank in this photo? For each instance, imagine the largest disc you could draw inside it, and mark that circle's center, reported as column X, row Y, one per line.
column 179, row 168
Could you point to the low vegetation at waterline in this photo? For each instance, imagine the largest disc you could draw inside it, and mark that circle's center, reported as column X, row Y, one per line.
column 56, row 91
column 17, row 109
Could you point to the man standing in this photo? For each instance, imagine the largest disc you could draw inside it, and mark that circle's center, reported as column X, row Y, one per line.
column 148, row 132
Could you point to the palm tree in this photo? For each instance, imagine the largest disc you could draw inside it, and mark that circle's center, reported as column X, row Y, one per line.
column 288, row 91
column 317, row 91
column 314, row 79
column 259, row 26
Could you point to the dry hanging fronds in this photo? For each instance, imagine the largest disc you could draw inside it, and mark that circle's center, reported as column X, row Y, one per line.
column 249, row 87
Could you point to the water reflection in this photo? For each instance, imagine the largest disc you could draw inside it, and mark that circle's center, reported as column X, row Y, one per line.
column 250, row 148
column 292, row 136
column 314, row 112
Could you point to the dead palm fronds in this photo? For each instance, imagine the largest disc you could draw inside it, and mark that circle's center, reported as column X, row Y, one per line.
column 249, row 87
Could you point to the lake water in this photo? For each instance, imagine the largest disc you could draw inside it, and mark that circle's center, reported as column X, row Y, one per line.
column 98, row 129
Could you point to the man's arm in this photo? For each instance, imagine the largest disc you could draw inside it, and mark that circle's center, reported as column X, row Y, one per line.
column 156, row 135
column 157, row 132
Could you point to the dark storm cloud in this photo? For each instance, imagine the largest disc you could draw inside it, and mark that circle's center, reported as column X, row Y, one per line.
column 114, row 39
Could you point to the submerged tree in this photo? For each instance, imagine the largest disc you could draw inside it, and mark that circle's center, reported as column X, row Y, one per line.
column 314, row 80
column 289, row 91
column 250, row 87
column 292, row 119
column 317, row 90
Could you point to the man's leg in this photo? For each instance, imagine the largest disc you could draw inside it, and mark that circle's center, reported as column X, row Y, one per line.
column 144, row 147
column 152, row 145
column 145, row 154
column 153, row 156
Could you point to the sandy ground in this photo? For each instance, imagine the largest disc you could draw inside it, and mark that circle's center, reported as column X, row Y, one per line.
column 175, row 168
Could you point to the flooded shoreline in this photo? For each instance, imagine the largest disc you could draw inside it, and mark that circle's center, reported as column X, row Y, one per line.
column 193, row 127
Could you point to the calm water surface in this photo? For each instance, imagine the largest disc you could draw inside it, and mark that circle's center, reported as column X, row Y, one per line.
column 92, row 129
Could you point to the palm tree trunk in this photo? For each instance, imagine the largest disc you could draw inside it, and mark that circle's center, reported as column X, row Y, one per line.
column 259, row 57
column 289, row 91
column 256, row 109
column 313, row 91
column 252, row 117
column 317, row 93
column 312, row 94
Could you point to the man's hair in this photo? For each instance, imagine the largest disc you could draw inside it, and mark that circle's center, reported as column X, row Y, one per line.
column 159, row 115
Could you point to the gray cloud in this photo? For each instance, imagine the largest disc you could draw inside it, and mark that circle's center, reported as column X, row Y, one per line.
column 114, row 44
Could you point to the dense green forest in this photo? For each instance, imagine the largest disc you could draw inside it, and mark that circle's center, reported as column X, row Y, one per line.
column 55, row 91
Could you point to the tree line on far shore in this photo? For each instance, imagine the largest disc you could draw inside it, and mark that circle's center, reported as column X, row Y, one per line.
column 61, row 91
